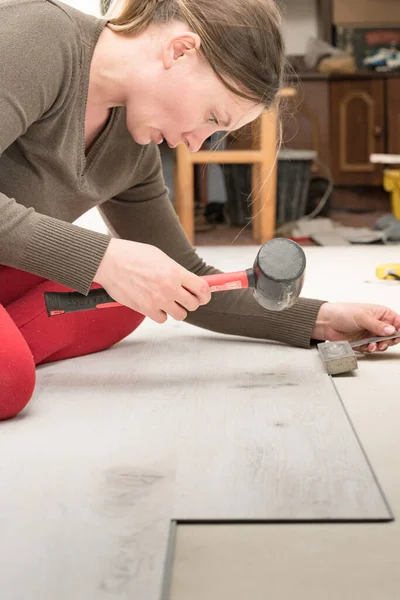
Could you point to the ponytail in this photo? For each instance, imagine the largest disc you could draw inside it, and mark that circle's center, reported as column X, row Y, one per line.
column 134, row 16
column 241, row 40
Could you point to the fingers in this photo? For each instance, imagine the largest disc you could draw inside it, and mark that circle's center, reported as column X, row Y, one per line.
column 158, row 316
column 379, row 346
column 172, row 309
column 388, row 343
column 385, row 344
column 188, row 301
column 178, row 308
column 364, row 348
column 178, row 304
column 376, row 326
column 175, row 311
column 392, row 318
column 184, row 303
column 197, row 287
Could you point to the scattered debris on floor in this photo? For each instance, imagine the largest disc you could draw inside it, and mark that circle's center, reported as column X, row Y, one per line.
column 326, row 232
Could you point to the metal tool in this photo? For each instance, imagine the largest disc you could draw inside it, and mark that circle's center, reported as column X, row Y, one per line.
column 339, row 357
column 277, row 279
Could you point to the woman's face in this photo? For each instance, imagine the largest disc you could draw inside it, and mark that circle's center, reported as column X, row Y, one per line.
column 181, row 100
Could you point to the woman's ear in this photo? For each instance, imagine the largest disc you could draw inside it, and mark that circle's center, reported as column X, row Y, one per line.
column 179, row 46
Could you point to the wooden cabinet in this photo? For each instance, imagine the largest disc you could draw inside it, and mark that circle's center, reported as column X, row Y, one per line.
column 357, row 131
column 345, row 119
column 393, row 113
column 306, row 121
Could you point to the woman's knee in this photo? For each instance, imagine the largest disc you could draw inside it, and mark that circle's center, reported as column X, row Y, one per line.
column 17, row 369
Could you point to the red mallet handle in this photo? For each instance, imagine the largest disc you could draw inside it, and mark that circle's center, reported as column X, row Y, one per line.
column 60, row 303
column 224, row 282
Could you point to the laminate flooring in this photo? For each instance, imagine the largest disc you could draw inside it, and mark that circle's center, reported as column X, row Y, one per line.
column 174, row 423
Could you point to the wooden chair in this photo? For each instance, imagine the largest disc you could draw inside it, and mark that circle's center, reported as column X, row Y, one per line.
column 263, row 158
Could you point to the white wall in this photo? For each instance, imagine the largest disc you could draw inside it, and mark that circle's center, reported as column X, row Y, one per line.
column 300, row 23
column 300, row 20
column 87, row 6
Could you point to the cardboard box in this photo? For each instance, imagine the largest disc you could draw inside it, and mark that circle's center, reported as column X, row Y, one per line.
column 366, row 12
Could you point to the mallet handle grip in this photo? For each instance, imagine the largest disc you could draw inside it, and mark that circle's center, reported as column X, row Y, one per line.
column 60, row 303
column 223, row 282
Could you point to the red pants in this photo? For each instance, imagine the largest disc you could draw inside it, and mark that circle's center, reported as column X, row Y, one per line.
column 28, row 337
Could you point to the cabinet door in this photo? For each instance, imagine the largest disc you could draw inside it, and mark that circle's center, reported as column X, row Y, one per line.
column 394, row 116
column 306, row 121
column 357, row 127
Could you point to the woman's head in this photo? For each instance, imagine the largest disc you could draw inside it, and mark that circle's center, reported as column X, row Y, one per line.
column 222, row 60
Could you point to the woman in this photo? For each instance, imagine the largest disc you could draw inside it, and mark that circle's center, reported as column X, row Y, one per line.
column 83, row 104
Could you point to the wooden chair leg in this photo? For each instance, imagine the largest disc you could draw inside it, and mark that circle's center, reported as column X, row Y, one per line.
column 184, row 190
column 264, row 181
column 255, row 201
column 268, row 175
column 204, row 184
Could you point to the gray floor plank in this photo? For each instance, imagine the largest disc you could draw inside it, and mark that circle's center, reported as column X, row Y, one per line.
column 172, row 423
column 314, row 561
column 286, row 562
column 268, row 439
column 86, row 496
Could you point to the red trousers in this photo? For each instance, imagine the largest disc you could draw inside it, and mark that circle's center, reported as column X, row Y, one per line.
column 28, row 337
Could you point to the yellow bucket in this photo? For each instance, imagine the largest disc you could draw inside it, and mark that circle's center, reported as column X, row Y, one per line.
column 391, row 183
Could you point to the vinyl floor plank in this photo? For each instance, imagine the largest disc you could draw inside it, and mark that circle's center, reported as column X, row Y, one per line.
column 173, row 423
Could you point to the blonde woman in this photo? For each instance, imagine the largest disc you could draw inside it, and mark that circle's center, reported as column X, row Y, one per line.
column 84, row 102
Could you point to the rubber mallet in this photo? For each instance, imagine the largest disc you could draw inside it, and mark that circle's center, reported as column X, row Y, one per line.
column 277, row 279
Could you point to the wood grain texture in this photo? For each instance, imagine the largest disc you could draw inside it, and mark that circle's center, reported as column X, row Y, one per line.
column 393, row 102
column 269, row 438
column 324, row 15
column 306, row 122
column 366, row 13
column 84, row 506
column 172, row 423
column 315, row 561
column 358, row 130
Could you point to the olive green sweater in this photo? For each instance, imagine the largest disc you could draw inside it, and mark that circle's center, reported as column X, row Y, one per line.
column 47, row 182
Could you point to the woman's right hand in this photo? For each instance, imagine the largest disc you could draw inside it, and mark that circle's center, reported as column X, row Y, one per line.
column 145, row 279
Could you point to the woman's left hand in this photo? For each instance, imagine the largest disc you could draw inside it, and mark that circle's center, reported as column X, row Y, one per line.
column 352, row 322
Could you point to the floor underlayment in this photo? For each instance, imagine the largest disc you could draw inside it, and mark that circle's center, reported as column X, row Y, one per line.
column 174, row 423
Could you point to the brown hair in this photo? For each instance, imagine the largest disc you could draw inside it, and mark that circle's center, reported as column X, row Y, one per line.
column 241, row 39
